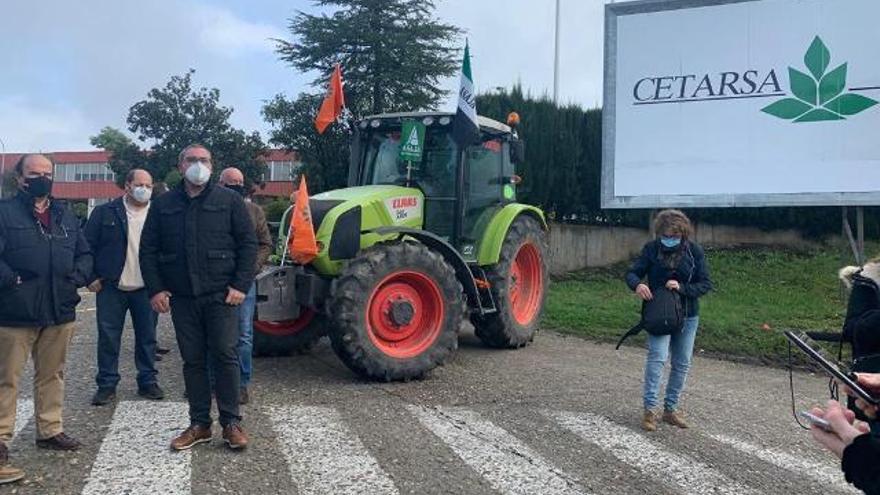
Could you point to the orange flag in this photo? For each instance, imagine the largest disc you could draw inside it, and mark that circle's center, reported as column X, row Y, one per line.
column 333, row 104
column 301, row 242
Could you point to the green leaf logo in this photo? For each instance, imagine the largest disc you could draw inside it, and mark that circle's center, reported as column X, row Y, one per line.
column 818, row 96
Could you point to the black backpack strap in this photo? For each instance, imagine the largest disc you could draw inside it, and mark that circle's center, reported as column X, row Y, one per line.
column 629, row 333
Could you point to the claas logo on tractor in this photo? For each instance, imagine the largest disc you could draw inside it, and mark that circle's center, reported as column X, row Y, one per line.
column 409, row 255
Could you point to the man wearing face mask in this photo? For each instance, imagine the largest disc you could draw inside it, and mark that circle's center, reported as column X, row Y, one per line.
column 198, row 251
column 232, row 178
column 44, row 258
column 114, row 233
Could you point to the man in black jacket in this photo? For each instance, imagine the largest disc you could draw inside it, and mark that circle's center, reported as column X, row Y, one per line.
column 44, row 258
column 197, row 255
column 114, row 233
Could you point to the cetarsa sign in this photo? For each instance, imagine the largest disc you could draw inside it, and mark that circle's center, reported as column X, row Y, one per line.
column 404, row 208
column 816, row 94
column 722, row 103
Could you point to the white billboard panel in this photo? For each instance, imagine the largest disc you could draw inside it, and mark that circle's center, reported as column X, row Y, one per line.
column 741, row 103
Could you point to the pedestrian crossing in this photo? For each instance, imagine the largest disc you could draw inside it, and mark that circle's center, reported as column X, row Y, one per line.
column 322, row 451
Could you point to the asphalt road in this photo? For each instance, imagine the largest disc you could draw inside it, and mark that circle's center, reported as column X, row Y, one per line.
column 558, row 417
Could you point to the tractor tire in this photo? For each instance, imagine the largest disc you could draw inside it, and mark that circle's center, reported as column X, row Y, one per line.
column 519, row 286
column 285, row 338
column 397, row 312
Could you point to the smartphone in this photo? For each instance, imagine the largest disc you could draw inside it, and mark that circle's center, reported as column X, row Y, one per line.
column 816, row 421
column 845, row 378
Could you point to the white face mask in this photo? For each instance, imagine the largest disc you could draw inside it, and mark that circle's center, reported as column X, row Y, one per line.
column 142, row 194
column 198, row 174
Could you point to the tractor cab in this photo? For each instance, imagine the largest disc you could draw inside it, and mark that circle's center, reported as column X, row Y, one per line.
column 463, row 187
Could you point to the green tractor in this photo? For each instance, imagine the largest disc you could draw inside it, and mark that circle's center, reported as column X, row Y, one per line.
column 411, row 253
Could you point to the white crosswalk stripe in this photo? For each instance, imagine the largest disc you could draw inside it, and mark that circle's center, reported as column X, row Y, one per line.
column 509, row 465
column 324, row 455
column 24, row 413
column 135, row 457
column 690, row 476
column 827, row 474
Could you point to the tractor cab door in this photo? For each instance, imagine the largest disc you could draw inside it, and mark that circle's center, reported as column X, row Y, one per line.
column 485, row 166
column 436, row 177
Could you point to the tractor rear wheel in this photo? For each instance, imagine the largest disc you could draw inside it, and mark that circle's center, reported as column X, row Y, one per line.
column 283, row 338
column 397, row 310
column 519, row 286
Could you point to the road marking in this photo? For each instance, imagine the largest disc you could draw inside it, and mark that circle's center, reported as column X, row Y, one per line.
column 24, row 412
column 649, row 457
column 508, row 464
column 135, row 457
column 824, row 473
column 324, row 455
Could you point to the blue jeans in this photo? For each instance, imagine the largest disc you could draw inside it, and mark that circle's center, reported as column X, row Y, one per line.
column 245, row 338
column 681, row 347
column 112, row 305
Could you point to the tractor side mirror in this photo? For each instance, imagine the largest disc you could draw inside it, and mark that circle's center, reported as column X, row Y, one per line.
column 517, row 151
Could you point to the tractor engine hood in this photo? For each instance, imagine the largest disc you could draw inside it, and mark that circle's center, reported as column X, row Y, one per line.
column 343, row 218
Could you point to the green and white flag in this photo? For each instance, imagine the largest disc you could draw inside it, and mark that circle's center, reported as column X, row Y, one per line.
column 465, row 129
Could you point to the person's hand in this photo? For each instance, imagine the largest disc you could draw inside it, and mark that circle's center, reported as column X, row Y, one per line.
column 871, row 383
column 161, row 302
column 673, row 285
column 234, row 297
column 644, row 292
column 843, row 431
column 95, row 286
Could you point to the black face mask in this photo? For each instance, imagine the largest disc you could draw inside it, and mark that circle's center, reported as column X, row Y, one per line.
column 237, row 188
column 38, row 187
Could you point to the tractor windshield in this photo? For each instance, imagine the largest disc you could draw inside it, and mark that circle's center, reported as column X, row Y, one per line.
column 435, row 175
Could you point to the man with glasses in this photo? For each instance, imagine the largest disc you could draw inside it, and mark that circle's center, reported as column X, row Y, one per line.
column 114, row 233
column 44, row 258
column 198, row 250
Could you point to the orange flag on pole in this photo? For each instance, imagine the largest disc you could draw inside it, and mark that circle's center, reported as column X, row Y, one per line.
column 301, row 243
column 333, row 104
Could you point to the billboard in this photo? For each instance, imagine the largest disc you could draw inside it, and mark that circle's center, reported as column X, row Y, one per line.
column 717, row 103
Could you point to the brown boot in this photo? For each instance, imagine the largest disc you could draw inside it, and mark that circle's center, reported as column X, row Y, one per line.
column 234, row 436
column 649, row 421
column 59, row 442
column 191, row 437
column 8, row 474
column 675, row 419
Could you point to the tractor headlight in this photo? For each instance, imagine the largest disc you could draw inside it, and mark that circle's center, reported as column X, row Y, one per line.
column 375, row 123
column 445, row 120
column 428, row 120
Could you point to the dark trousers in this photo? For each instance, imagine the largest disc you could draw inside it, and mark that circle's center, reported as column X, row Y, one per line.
column 207, row 327
column 112, row 305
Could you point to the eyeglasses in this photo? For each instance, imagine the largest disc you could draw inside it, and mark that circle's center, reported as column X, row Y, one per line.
column 197, row 159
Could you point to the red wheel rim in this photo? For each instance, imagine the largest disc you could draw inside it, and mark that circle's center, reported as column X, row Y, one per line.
column 287, row 327
column 526, row 284
column 404, row 314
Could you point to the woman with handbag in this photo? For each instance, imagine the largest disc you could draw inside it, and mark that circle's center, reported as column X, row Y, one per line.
column 674, row 262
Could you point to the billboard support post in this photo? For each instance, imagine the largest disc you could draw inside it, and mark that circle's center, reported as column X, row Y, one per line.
column 857, row 242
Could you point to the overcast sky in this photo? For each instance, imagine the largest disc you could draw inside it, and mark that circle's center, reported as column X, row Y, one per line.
column 70, row 68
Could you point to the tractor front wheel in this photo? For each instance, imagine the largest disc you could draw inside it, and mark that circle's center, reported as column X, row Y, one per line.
column 397, row 311
column 519, row 285
column 283, row 338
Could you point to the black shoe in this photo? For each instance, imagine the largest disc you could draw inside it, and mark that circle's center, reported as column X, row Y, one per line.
column 158, row 357
column 59, row 442
column 152, row 392
column 104, row 396
column 162, row 350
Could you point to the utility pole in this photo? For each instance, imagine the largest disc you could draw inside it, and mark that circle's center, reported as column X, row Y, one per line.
column 2, row 166
column 556, row 59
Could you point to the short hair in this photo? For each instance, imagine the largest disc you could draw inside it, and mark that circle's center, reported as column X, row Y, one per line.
column 673, row 221
column 129, row 177
column 190, row 147
column 19, row 165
